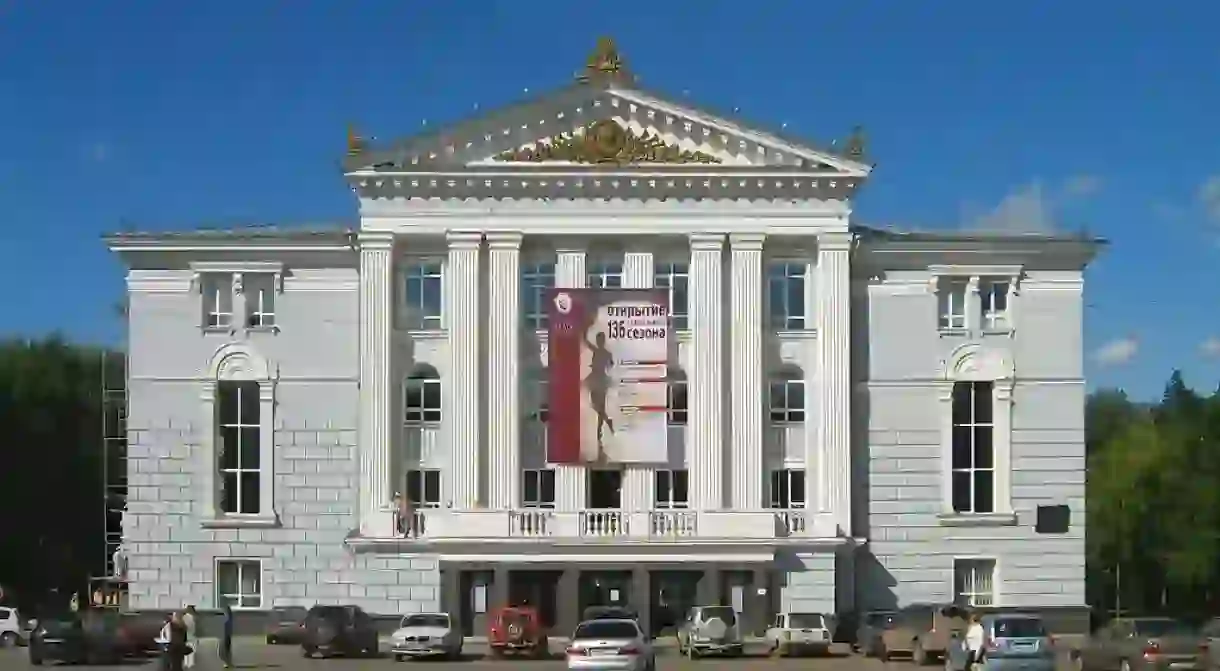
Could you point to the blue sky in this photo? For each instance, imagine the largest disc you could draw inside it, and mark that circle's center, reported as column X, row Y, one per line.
column 164, row 115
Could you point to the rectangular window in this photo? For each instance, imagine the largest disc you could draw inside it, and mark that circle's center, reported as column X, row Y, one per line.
column 787, row 488
column 217, row 291
column 536, row 280
column 993, row 299
column 424, row 488
column 672, row 489
column 423, row 296
column 421, row 398
column 259, row 290
column 974, row 582
column 973, row 447
column 951, row 304
column 240, row 583
column 787, row 401
column 605, row 276
column 786, row 296
column 538, row 488
column 238, row 447
column 678, row 401
column 675, row 278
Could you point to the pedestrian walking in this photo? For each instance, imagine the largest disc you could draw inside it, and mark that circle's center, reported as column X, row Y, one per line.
column 176, row 648
column 192, row 638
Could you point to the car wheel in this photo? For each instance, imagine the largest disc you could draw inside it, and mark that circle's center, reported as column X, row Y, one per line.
column 8, row 639
column 307, row 652
column 398, row 658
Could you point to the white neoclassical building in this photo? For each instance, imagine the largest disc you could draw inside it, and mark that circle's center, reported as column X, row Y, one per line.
column 859, row 417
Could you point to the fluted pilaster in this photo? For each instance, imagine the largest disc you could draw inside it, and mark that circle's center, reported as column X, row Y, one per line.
column 569, row 478
column 503, row 364
column 376, row 313
column 638, row 479
column 746, row 295
column 705, row 436
column 834, row 372
column 461, row 385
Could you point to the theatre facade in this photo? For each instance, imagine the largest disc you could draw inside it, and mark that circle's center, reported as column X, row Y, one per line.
column 406, row 415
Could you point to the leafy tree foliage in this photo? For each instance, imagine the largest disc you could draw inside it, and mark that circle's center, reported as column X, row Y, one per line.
column 1153, row 503
column 51, row 468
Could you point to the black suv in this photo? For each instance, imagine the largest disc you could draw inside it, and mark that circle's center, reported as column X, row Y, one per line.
column 339, row 630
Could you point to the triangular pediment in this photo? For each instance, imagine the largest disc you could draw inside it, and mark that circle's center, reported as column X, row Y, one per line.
column 605, row 124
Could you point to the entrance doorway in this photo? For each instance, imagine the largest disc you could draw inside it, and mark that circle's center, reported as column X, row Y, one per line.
column 604, row 588
column 673, row 593
column 605, row 489
column 538, row 589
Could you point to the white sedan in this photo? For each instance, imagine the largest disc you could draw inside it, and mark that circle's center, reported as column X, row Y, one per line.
column 610, row 645
column 426, row 635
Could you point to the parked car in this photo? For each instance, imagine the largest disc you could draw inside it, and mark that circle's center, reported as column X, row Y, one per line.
column 612, row 644
column 426, row 635
column 799, row 632
column 1011, row 642
column 339, row 630
column 1209, row 656
column 923, row 631
column 517, row 630
column 710, row 630
column 286, row 625
column 609, row 613
column 868, row 634
column 1141, row 643
column 93, row 636
column 12, row 628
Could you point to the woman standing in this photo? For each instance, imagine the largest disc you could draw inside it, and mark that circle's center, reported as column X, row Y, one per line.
column 192, row 641
column 174, row 635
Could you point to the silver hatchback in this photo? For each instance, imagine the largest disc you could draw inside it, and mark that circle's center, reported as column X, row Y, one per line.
column 1011, row 642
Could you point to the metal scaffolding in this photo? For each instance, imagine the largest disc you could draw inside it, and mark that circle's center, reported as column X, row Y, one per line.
column 114, row 473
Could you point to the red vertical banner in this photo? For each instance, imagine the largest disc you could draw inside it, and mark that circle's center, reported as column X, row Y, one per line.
column 566, row 318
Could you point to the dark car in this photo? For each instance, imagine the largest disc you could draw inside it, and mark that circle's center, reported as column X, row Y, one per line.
column 609, row 613
column 868, row 634
column 339, row 630
column 95, row 636
column 286, row 626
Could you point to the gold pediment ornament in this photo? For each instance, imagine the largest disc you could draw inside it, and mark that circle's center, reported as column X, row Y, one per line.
column 606, row 142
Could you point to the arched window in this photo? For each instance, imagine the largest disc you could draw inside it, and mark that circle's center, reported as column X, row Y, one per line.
column 239, row 404
column 677, row 398
column 976, row 402
column 787, row 397
column 422, row 395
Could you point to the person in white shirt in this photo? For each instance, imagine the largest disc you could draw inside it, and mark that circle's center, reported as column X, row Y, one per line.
column 975, row 640
column 188, row 620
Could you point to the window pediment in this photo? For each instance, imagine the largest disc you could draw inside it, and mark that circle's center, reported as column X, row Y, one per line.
column 974, row 362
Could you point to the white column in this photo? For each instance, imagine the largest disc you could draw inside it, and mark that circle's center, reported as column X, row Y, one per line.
column 570, row 479
column 461, row 388
column 834, row 374
column 376, row 315
column 746, row 369
column 503, row 366
column 706, row 379
column 638, row 484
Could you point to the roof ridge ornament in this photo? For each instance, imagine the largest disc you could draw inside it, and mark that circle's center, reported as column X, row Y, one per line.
column 856, row 146
column 356, row 144
column 605, row 64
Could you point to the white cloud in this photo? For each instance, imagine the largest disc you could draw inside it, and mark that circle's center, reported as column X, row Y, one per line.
column 1024, row 210
column 1210, row 347
column 1117, row 352
column 1081, row 186
column 1209, row 198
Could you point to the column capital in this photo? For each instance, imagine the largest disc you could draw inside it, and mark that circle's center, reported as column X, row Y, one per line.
column 375, row 240
column 504, row 240
column 835, row 241
column 464, row 239
column 707, row 242
column 747, row 242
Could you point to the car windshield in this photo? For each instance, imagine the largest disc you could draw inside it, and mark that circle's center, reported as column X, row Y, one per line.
column 1021, row 627
column 723, row 613
column 426, row 620
column 605, row 629
column 1162, row 627
column 805, row 620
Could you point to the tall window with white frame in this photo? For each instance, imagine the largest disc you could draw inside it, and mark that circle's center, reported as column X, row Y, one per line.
column 973, row 479
column 677, row 401
column 605, row 276
column 538, row 488
column 787, row 398
column 993, row 302
column 217, row 292
column 239, row 582
column 787, row 488
column 259, row 290
column 675, row 278
column 238, row 449
column 671, row 489
column 424, row 487
column 536, row 280
column 974, row 582
column 422, row 301
column 951, row 303
column 422, row 396
column 786, row 296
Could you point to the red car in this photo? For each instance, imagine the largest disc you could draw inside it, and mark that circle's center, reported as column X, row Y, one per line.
column 517, row 630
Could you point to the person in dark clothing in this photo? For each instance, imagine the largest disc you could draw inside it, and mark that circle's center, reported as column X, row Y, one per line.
column 226, row 638
column 176, row 648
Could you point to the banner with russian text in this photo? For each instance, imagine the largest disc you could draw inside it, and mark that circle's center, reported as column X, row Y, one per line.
column 607, row 360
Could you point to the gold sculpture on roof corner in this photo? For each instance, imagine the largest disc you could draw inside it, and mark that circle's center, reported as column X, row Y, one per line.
column 604, row 63
column 606, row 143
column 856, row 143
column 355, row 143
